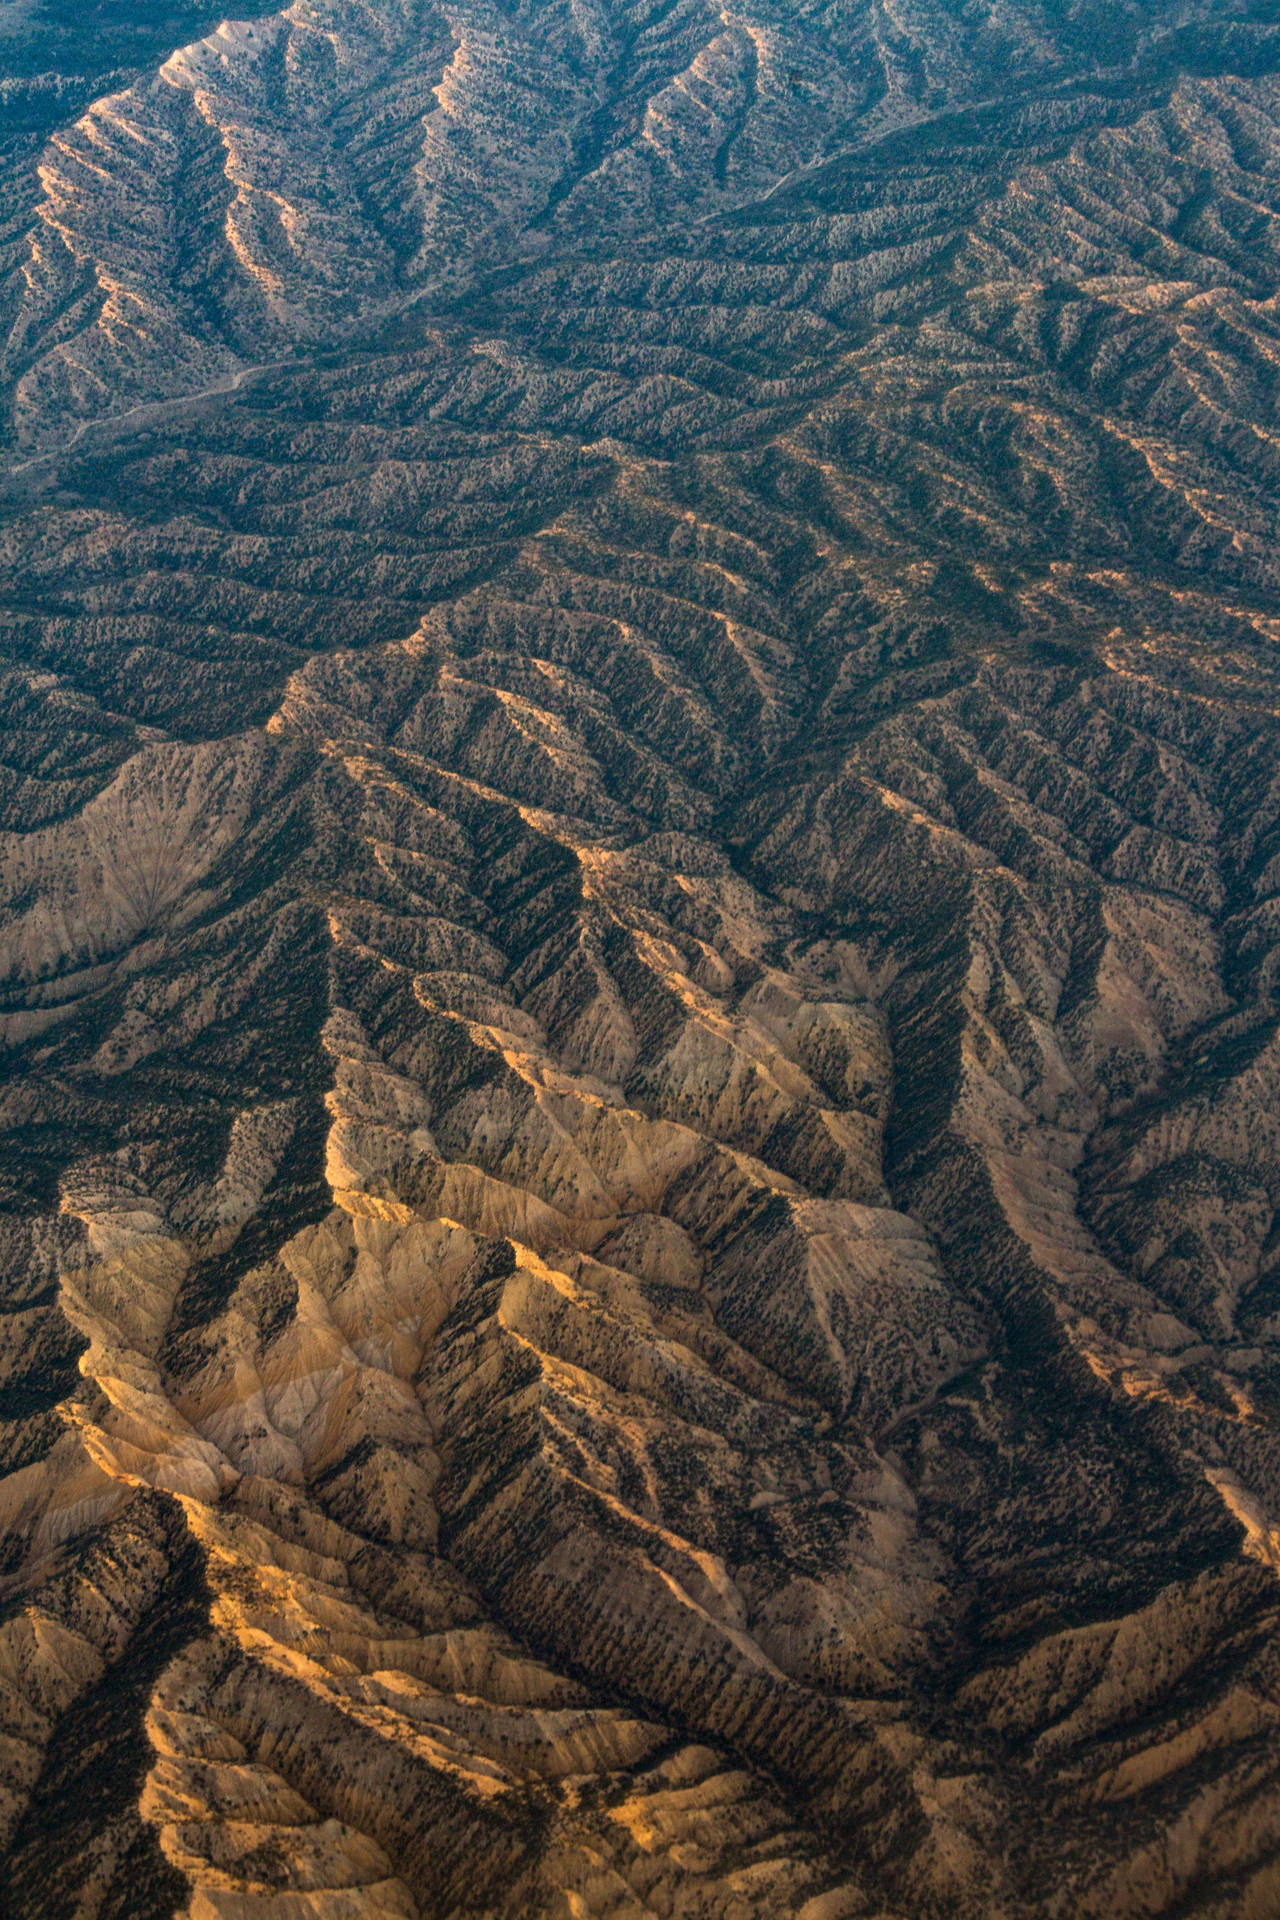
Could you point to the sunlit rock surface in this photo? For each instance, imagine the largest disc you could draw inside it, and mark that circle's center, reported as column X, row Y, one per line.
column 640, row 854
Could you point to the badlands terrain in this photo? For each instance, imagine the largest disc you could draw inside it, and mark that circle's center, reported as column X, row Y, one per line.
column 640, row 960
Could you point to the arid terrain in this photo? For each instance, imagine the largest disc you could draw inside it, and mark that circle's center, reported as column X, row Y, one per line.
column 640, row 960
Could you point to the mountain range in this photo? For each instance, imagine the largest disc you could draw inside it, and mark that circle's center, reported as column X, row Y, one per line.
column 639, row 960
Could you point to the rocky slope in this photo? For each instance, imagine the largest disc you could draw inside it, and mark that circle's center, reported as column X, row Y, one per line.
column 640, row 839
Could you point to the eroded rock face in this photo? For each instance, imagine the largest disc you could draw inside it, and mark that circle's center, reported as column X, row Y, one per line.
column 640, row 838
